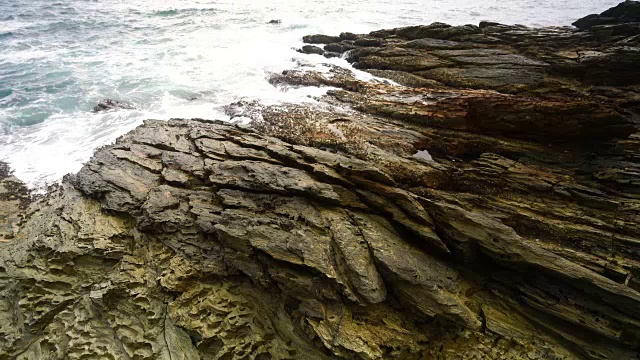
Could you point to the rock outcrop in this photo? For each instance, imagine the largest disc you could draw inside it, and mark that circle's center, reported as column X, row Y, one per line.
column 14, row 199
column 109, row 104
column 482, row 205
column 625, row 12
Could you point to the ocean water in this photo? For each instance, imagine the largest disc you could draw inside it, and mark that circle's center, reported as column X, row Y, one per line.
column 182, row 58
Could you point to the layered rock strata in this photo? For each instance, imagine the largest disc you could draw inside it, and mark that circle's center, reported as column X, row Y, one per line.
column 482, row 205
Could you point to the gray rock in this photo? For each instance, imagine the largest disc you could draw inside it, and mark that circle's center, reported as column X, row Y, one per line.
column 626, row 12
column 317, row 234
column 321, row 39
column 109, row 104
column 310, row 49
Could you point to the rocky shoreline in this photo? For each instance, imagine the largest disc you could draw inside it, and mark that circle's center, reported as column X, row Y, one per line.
column 481, row 203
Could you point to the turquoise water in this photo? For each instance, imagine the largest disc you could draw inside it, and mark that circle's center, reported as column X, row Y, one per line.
column 184, row 58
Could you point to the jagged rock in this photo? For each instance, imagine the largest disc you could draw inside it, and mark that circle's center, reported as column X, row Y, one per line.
column 14, row 198
column 330, row 55
column 479, row 111
column 435, row 44
column 348, row 36
column 293, row 250
column 406, row 79
column 364, row 42
column 321, row 39
column 508, row 58
column 310, row 49
column 109, row 104
column 339, row 77
column 242, row 110
column 626, row 12
column 618, row 32
column 317, row 233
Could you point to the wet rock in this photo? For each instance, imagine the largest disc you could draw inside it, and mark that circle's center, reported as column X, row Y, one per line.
column 338, row 48
column 243, row 110
column 368, row 42
column 338, row 77
column 310, row 49
column 348, row 36
column 404, row 78
column 330, row 55
column 109, row 104
column 321, row 39
column 437, row 31
column 625, row 12
column 484, row 24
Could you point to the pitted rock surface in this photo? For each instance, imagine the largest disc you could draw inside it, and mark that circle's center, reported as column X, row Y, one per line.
column 482, row 205
column 290, row 252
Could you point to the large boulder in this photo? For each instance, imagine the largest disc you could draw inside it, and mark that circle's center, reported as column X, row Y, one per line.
column 626, row 12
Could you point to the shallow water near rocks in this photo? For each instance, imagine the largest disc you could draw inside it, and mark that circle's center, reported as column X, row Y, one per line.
column 181, row 59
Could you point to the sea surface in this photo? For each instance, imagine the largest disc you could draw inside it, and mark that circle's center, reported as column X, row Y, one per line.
column 182, row 58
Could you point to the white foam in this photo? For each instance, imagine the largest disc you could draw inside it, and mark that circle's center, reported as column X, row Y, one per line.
column 187, row 63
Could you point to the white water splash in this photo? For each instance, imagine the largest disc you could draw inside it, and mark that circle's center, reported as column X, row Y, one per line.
column 183, row 59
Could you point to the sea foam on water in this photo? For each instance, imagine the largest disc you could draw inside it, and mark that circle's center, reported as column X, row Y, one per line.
column 181, row 59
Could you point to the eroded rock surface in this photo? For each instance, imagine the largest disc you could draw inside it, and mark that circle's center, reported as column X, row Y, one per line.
column 14, row 199
column 491, row 213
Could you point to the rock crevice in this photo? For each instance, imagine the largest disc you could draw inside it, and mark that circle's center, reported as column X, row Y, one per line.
column 323, row 231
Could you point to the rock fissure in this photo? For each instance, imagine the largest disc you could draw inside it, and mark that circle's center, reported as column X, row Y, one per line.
column 318, row 234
